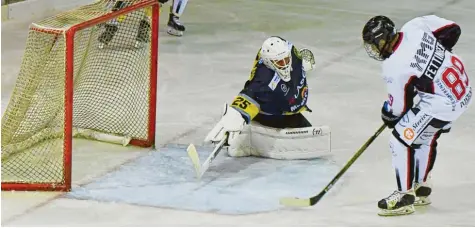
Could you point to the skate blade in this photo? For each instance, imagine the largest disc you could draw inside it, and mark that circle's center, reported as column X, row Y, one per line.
column 397, row 212
column 174, row 32
column 422, row 201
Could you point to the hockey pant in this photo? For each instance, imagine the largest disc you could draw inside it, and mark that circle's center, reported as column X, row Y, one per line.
column 262, row 138
column 413, row 145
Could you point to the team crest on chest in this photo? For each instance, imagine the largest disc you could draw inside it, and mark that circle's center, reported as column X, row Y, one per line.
column 284, row 88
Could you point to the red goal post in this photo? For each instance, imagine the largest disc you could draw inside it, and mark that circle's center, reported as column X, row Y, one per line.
column 86, row 73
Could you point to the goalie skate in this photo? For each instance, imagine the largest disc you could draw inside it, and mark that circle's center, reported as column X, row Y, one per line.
column 107, row 35
column 422, row 194
column 142, row 34
column 175, row 28
column 398, row 203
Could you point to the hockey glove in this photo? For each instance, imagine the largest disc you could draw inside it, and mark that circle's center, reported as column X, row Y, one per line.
column 231, row 122
column 308, row 60
column 387, row 116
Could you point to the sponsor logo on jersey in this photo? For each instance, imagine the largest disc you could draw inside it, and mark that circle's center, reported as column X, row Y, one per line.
column 405, row 120
column 304, row 92
column 296, row 132
column 301, row 84
column 426, row 137
column 292, row 100
column 304, row 95
column 421, row 124
column 317, row 131
column 424, row 52
column 284, row 89
column 409, row 133
column 416, row 124
column 274, row 82
column 444, row 90
column 467, row 99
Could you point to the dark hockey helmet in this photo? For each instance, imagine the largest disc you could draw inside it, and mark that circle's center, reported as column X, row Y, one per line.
column 377, row 34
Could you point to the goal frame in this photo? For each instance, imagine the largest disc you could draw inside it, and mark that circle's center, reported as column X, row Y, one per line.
column 69, row 35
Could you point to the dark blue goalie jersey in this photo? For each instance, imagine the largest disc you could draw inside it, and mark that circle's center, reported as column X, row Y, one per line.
column 265, row 94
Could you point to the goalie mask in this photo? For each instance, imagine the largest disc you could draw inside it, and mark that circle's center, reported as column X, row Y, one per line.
column 276, row 55
column 378, row 33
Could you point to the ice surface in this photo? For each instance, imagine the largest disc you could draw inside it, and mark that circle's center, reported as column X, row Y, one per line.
column 231, row 186
column 208, row 66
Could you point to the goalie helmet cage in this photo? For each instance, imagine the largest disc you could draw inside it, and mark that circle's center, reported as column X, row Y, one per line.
column 104, row 57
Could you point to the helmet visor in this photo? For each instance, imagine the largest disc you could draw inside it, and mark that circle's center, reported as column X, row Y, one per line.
column 373, row 50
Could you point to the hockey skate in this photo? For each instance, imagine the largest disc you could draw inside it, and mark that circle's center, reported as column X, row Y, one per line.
column 422, row 194
column 107, row 35
column 142, row 34
column 398, row 203
column 175, row 27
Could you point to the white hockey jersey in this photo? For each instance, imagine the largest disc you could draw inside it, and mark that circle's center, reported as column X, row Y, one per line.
column 421, row 64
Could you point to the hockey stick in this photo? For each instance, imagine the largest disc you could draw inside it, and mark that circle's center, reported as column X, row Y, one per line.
column 298, row 202
column 193, row 154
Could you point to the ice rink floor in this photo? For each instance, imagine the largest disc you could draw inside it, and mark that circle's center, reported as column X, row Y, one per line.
column 208, row 66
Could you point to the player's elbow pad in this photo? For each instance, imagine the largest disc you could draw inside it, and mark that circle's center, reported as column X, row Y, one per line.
column 448, row 36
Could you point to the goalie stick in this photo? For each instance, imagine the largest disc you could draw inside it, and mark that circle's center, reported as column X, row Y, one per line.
column 299, row 202
column 193, row 154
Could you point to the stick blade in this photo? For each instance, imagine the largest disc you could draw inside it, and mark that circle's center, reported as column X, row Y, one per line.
column 195, row 159
column 295, row 202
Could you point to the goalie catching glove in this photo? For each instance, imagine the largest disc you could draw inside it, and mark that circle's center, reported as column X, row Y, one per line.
column 308, row 60
column 231, row 122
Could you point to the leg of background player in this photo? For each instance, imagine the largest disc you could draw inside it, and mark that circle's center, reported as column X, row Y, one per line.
column 175, row 27
column 111, row 27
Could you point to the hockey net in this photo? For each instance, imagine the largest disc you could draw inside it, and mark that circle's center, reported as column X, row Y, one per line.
column 90, row 72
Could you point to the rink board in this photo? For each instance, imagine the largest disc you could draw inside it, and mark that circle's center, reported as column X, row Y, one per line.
column 166, row 179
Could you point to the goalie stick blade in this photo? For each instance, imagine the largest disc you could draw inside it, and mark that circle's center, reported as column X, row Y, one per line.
column 193, row 154
column 295, row 202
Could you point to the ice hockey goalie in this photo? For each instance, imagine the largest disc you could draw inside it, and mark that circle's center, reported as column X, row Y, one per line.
column 271, row 102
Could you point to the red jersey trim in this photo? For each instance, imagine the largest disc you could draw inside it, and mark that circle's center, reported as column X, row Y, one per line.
column 401, row 35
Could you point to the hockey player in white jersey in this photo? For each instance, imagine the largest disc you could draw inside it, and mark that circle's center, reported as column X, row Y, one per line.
column 175, row 27
column 265, row 119
column 418, row 62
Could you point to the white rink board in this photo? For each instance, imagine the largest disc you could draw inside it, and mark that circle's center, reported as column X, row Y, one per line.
column 209, row 65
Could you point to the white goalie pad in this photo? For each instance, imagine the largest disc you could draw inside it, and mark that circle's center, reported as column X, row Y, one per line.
column 286, row 144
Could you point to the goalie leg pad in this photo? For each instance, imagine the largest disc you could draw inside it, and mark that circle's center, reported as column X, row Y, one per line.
column 286, row 144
